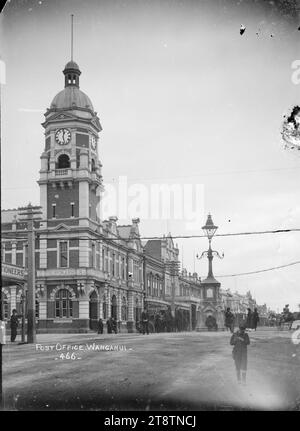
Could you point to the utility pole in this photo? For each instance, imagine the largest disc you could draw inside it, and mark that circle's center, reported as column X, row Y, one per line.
column 31, row 211
column 23, row 314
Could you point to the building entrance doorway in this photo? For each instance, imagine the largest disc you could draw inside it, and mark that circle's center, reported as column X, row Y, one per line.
column 114, row 307
column 94, row 311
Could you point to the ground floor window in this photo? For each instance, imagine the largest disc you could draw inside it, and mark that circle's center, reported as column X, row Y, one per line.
column 63, row 304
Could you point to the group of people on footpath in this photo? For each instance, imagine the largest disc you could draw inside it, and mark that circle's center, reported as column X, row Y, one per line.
column 250, row 324
column 111, row 324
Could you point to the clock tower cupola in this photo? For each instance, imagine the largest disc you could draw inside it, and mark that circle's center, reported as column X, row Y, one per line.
column 72, row 73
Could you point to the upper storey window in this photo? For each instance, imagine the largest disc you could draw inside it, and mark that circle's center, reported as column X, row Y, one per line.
column 63, row 162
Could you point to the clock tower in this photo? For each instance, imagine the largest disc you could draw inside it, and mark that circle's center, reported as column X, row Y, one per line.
column 70, row 176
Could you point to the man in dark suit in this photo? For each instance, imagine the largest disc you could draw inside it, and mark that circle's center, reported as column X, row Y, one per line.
column 145, row 321
column 100, row 326
column 14, row 323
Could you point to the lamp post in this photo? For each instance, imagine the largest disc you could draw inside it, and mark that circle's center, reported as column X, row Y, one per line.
column 209, row 230
column 30, row 211
column 211, row 299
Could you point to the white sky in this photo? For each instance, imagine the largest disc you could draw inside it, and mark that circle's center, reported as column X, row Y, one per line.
column 182, row 98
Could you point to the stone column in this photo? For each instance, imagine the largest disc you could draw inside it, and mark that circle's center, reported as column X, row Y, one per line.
column 119, row 305
column 130, row 312
column 13, row 298
column 84, row 188
column 100, row 307
column 14, row 252
column 83, row 252
column 43, row 307
column 108, row 302
column 84, row 308
column 201, row 319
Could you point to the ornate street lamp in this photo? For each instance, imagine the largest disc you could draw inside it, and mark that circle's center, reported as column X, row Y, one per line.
column 211, row 303
column 210, row 229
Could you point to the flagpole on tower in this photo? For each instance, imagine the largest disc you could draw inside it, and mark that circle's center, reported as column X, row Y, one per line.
column 72, row 18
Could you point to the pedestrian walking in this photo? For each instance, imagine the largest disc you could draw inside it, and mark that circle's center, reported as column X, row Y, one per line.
column 114, row 325
column 249, row 319
column 100, row 326
column 157, row 323
column 229, row 320
column 109, row 325
column 255, row 319
column 14, row 323
column 240, row 340
column 145, row 322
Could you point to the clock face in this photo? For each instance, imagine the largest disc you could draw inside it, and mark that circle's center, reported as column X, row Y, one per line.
column 93, row 142
column 63, row 136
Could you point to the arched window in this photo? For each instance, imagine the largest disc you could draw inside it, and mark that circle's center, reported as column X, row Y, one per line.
column 124, row 309
column 63, row 161
column 93, row 165
column 63, row 304
column 104, row 308
column 69, row 79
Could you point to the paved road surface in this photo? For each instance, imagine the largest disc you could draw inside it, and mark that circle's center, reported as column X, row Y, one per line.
column 179, row 371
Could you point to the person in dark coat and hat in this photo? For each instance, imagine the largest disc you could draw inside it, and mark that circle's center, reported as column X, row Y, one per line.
column 100, row 326
column 255, row 319
column 145, row 321
column 229, row 320
column 240, row 340
column 114, row 325
column 14, row 323
column 249, row 319
column 109, row 325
